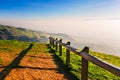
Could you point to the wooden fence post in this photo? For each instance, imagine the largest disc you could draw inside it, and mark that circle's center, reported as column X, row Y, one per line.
column 53, row 42
column 84, row 72
column 56, row 45
column 60, row 47
column 67, row 54
column 49, row 40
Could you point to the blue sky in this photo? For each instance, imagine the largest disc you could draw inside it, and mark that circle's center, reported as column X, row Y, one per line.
column 83, row 17
column 43, row 8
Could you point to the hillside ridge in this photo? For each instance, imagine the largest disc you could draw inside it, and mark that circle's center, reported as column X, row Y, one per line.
column 22, row 34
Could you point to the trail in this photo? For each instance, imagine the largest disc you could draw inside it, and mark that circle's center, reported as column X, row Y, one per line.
column 29, row 65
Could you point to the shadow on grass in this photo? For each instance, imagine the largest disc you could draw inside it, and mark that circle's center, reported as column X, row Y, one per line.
column 62, row 68
column 14, row 63
column 37, row 57
column 36, row 68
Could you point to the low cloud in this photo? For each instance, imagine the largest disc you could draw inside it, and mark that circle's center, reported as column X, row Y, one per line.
column 100, row 19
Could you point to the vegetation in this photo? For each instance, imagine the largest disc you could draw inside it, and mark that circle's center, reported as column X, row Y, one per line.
column 95, row 72
column 12, row 33
column 11, row 48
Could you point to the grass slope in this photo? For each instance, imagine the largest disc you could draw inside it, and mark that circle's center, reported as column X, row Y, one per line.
column 22, row 34
column 95, row 72
column 8, row 48
column 13, row 47
column 10, row 33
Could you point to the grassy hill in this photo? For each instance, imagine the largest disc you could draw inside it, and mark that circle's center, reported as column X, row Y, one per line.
column 95, row 72
column 11, row 33
column 22, row 34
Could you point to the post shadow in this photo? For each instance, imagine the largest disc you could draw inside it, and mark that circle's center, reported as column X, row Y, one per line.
column 14, row 63
column 61, row 67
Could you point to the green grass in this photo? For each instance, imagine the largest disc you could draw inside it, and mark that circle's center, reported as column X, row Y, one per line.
column 108, row 58
column 11, row 45
column 10, row 32
column 14, row 47
column 95, row 72
column 39, row 48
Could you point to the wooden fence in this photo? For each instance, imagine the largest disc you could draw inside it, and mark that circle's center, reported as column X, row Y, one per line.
column 85, row 58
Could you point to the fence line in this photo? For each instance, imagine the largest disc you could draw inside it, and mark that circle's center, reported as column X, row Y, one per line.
column 85, row 58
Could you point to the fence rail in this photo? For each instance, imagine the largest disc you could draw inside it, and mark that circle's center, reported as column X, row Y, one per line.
column 85, row 58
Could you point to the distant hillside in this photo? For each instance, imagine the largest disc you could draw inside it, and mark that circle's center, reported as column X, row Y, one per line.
column 11, row 33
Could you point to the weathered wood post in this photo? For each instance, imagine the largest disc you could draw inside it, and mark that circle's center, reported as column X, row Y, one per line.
column 60, row 47
column 56, row 45
column 84, row 72
column 67, row 54
column 50, row 41
column 53, row 42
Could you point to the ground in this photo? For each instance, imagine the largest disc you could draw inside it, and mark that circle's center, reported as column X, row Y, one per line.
column 32, row 63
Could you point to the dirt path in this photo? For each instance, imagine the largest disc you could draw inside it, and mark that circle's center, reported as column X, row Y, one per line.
column 31, row 66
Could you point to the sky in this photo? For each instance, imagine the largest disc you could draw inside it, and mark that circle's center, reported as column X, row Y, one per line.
column 91, row 18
